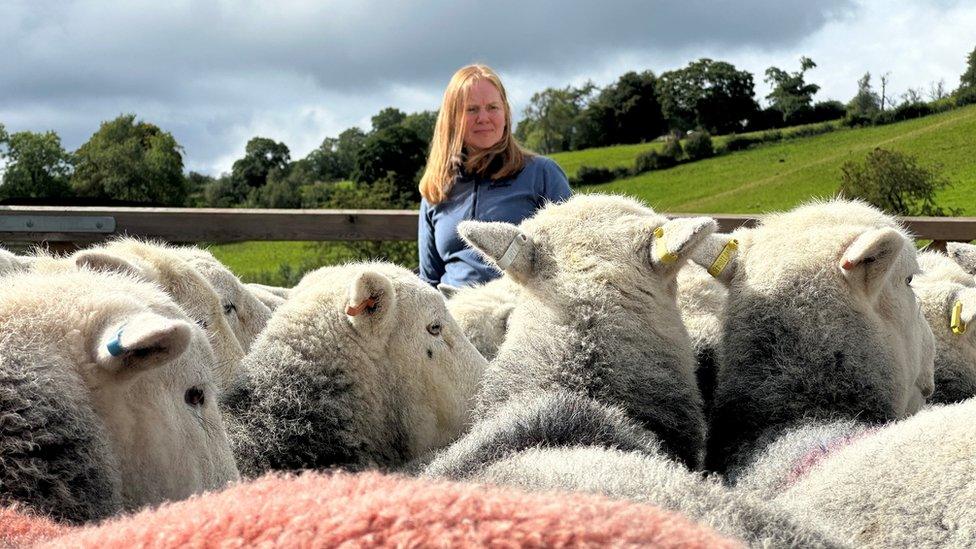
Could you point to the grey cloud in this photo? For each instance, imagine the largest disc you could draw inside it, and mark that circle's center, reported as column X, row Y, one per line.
column 210, row 72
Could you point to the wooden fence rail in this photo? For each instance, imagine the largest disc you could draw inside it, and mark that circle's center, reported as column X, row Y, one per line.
column 83, row 225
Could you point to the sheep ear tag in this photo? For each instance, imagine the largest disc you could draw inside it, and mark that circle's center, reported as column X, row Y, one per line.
column 956, row 323
column 679, row 237
column 371, row 298
column 142, row 343
column 504, row 244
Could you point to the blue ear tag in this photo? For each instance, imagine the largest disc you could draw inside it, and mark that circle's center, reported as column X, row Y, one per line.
column 114, row 346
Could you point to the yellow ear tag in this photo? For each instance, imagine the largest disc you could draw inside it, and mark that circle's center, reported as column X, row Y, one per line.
column 957, row 324
column 662, row 249
column 723, row 258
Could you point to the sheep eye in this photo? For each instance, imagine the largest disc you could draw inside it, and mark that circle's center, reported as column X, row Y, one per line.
column 434, row 328
column 203, row 324
column 909, row 279
column 194, row 396
column 230, row 308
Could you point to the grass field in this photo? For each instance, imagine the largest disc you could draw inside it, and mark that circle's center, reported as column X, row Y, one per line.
column 781, row 175
column 774, row 176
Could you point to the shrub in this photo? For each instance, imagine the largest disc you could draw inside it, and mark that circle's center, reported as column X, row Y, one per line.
column 827, row 110
column 812, row 130
column 909, row 110
column 672, row 147
column 699, row 145
column 854, row 120
column 739, row 142
column 894, row 182
column 966, row 96
column 589, row 175
column 771, row 136
column 652, row 160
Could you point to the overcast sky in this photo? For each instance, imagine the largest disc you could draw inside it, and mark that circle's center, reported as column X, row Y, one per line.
column 215, row 74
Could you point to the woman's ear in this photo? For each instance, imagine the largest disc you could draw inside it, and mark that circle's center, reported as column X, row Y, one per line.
column 502, row 244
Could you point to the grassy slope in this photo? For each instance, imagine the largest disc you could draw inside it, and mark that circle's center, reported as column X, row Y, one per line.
column 780, row 175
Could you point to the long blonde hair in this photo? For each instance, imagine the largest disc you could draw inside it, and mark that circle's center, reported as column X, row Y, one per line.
column 446, row 148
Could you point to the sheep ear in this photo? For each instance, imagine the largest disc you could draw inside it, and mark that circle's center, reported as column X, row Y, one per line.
column 676, row 239
column 718, row 253
column 12, row 263
column 142, row 342
column 371, row 300
column 447, row 290
column 867, row 261
column 101, row 261
column 963, row 254
column 962, row 313
column 503, row 244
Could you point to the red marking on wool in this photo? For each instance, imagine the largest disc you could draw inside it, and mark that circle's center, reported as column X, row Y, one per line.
column 808, row 461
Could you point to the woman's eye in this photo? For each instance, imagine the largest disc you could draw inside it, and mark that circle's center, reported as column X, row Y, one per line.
column 434, row 328
column 229, row 308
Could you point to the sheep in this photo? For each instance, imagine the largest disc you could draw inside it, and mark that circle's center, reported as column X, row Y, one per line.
column 701, row 299
column 964, row 254
column 107, row 397
column 909, row 484
column 368, row 373
column 13, row 263
column 820, row 324
column 558, row 440
column 246, row 314
column 597, row 312
column 165, row 266
column 482, row 312
column 271, row 296
column 948, row 298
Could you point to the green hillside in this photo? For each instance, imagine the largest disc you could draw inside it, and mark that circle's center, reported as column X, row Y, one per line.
column 780, row 175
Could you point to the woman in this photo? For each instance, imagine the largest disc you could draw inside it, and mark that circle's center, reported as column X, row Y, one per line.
column 476, row 170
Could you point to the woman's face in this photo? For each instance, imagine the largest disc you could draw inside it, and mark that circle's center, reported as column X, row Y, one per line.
column 484, row 115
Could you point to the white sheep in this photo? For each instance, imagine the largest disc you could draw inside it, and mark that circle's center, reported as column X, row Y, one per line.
column 964, row 254
column 246, row 314
column 820, row 324
column 910, row 484
column 564, row 441
column 362, row 367
column 948, row 298
column 271, row 296
column 597, row 312
column 107, row 397
column 13, row 263
column 165, row 266
column 482, row 312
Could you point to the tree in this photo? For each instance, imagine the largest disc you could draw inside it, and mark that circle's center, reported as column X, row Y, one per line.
column 132, row 161
column 627, row 111
column 387, row 118
column 713, row 95
column 396, row 150
column 261, row 157
column 422, row 123
column 885, row 100
column 36, row 165
column 791, row 93
column 968, row 78
column 866, row 103
column 896, row 183
column 551, row 118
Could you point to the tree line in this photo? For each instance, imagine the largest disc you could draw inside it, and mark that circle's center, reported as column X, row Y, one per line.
column 130, row 161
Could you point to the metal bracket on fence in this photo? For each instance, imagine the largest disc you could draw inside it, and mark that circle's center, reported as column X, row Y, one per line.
column 56, row 224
